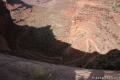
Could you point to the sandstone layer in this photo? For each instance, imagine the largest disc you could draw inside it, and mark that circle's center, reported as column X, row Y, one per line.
column 88, row 25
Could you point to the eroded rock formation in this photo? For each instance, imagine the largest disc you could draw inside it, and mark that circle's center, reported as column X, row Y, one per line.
column 85, row 24
column 63, row 32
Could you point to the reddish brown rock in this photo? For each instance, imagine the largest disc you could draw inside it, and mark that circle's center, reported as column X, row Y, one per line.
column 89, row 25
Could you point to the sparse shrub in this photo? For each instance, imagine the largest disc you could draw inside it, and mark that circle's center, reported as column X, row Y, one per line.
column 116, row 5
column 42, row 75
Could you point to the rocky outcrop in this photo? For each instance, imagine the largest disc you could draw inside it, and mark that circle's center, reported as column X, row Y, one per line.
column 13, row 68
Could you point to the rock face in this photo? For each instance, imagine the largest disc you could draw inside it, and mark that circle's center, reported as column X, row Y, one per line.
column 13, row 68
column 66, row 32
column 3, row 26
column 88, row 25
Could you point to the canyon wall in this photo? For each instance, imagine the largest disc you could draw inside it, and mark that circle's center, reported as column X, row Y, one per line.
column 88, row 25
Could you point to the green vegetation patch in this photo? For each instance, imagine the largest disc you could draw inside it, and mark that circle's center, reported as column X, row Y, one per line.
column 42, row 75
column 116, row 5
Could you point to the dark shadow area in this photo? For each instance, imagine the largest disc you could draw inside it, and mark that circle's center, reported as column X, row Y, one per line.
column 40, row 44
column 109, row 61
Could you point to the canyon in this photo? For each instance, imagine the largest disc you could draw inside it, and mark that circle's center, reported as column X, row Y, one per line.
column 75, row 33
